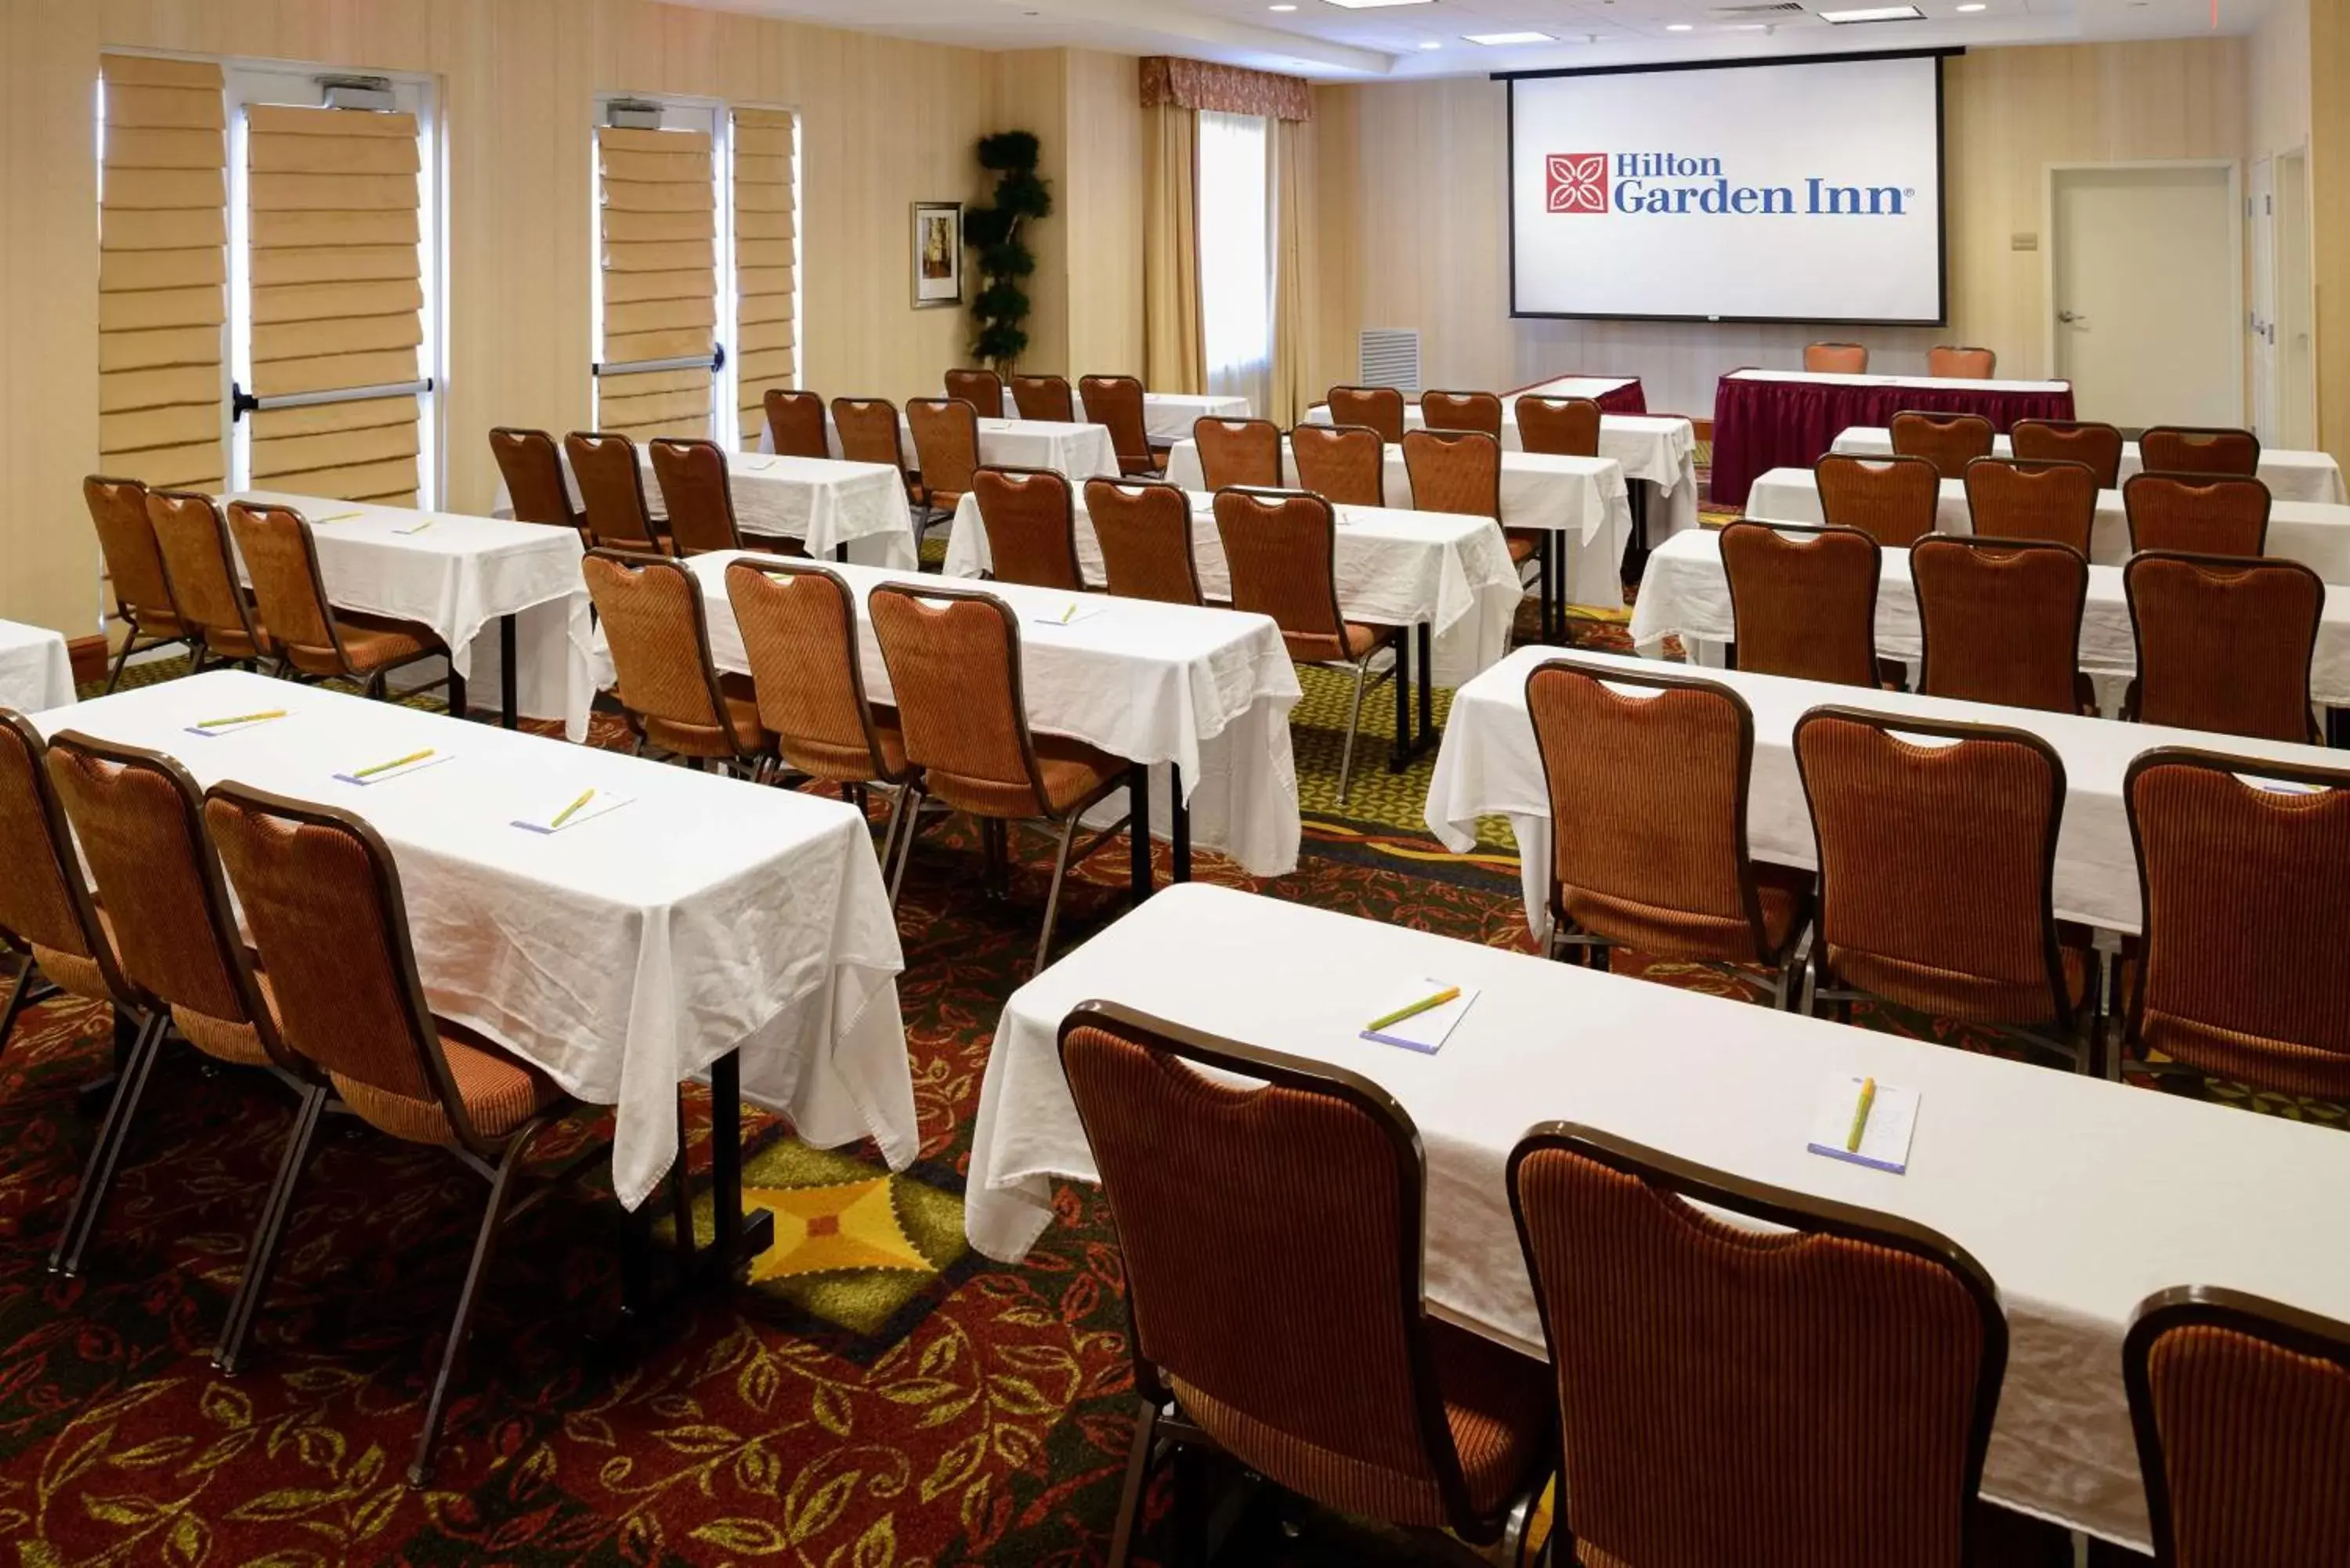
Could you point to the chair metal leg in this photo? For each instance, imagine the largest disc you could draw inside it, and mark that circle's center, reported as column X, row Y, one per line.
column 462, row 1327
column 890, row 828
column 16, row 995
column 1053, row 897
column 1354, row 724
column 910, row 797
column 1137, row 1472
column 97, row 1177
column 267, row 1231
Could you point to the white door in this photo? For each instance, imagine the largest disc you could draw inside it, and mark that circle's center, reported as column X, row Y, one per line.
column 2145, row 271
column 2259, row 208
column 2296, row 307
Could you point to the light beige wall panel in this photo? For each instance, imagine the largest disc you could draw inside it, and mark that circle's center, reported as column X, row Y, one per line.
column 1100, row 198
column 1032, row 95
column 2329, row 176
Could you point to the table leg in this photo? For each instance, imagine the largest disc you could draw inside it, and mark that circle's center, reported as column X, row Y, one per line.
column 841, row 552
column 1399, row 755
column 2337, row 726
column 1138, row 831
column 1179, row 824
column 1553, row 597
column 736, row 1238
column 1427, row 634
column 509, row 679
column 1635, row 549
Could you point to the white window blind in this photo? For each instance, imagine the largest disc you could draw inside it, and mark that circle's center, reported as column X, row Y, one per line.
column 766, row 197
column 659, row 281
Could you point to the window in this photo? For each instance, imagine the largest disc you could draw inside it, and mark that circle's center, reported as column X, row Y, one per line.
column 1236, row 256
column 663, row 240
column 765, row 165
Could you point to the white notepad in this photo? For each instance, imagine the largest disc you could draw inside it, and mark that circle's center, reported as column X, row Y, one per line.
column 243, row 725
column 602, row 803
column 1422, row 1031
column 1069, row 614
column 1884, row 1138
column 388, row 775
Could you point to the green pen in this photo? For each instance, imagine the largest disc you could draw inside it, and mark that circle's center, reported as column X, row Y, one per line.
column 1860, row 1114
column 395, row 763
column 1413, row 1010
column 565, row 815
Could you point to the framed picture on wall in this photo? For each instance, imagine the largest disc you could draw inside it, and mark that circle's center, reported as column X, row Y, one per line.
column 938, row 254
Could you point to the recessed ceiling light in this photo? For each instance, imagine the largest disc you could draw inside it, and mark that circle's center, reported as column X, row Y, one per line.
column 1874, row 13
column 1677, row 27
column 1369, row 4
column 1281, row 8
column 1432, row 43
column 1497, row 38
column 1974, row 7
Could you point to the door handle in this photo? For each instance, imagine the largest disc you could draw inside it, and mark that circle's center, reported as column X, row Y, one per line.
column 2070, row 315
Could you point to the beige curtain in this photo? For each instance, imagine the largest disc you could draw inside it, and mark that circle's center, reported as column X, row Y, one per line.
column 1296, row 201
column 1174, row 353
column 764, row 174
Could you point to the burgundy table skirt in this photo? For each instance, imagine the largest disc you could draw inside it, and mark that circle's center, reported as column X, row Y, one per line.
column 1759, row 425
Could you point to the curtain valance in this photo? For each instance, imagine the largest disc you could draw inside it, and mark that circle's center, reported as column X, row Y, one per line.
column 1225, row 90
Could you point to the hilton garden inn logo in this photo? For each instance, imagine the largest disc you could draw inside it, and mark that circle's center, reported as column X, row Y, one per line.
column 1667, row 182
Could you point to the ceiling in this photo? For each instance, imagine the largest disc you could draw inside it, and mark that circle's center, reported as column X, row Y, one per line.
column 1324, row 40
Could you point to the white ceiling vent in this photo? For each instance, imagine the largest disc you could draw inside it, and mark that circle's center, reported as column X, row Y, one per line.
column 1390, row 358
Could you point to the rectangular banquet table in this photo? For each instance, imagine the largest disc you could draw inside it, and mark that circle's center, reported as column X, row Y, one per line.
column 1614, row 394
column 2081, row 1198
column 457, row 574
column 1207, row 691
column 1169, row 417
column 1781, row 418
column 2290, row 475
column 1076, row 451
column 35, row 668
column 1488, row 767
column 708, row 924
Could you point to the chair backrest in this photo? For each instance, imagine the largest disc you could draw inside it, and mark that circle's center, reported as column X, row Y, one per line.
column 1893, row 499
column 1046, row 398
column 2209, row 515
column 1562, row 427
column 2224, row 644
column 795, row 424
column 954, row 656
column 532, row 467
column 1282, row 548
column 800, row 635
column 1964, row 363
column 1815, row 1386
column 1116, row 403
column 870, row 430
column 1454, row 471
column 44, row 902
column 1379, row 407
column 1937, row 861
column 1229, row 1199
column 321, row 896
column 1803, row 601
column 2242, row 1408
column 1238, row 451
column 2001, row 619
column 983, row 389
column 946, row 444
column 653, row 620
column 2188, row 449
column 283, row 561
column 125, row 540
column 696, row 494
column 1948, row 441
column 1462, row 411
column 2244, row 872
column 1670, row 754
column 1144, row 528
column 194, row 538
column 611, row 489
column 2024, row 500
column 1346, row 465
column 1835, row 358
column 1030, row 518
column 2070, row 441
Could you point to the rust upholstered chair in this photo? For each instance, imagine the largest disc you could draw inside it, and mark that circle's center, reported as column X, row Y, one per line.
column 1664, row 869
column 1893, row 500
column 313, row 638
column 1801, row 1381
column 1948, row 441
column 2186, row 448
column 2223, row 644
column 1835, row 358
column 676, row 701
column 1938, row 851
column 799, row 636
column 2244, row 866
column 1562, row 427
column 1952, row 360
column 1116, row 403
column 193, row 537
column 1144, row 529
column 2242, row 1408
column 1379, row 407
column 1460, row 471
column 1272, row 1235
column 1803, row 601
column 946, row 449
column 1462, row 411
column 2001, row 620
column 2018, row 499
column 611, row 479
column 795, row 424
column 953, row 656
column 322, row 897
column 696, row 495
column 1244, row 452
column 531, row 465
column 1346, row 465
column 1046, row 398
column 1282, row 547
column 2213, row 515
column 2070, row 441
column 983, row 389
column 142, row 590
column 1030, row 519
column 870, row 431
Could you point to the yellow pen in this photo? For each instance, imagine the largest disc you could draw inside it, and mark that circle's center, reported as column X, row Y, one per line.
column 241, row 719
column 1414, row 1009
column 334, row 518
column 395, row 763
column 1860, row 1114
column 565, row 815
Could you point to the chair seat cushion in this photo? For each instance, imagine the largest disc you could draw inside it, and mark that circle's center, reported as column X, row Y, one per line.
column 1782, row 892
column 231, row 642
column 849, row 765
column 1074, row 774
column 226, row 1039
column 1525, row 544
column 1970, row 998
column 707, row 740
column 376, row 642
column 161, row 622
column 1356, row 642
column 78, row 974
column 500, row 1091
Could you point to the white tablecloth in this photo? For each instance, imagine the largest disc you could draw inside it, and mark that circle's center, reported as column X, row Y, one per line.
column 460, row 577
column 1592, row 387
column 623, row 954
column 1170, row 416
column 1929, row 383
column 1582, row 499
column 1488, row 767
column 2080, row 1197
column 1394, row 567
column 2290, row 475
column 1207, row 689
column 1684, row 593
column 35, row 671
column 1080, row 452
